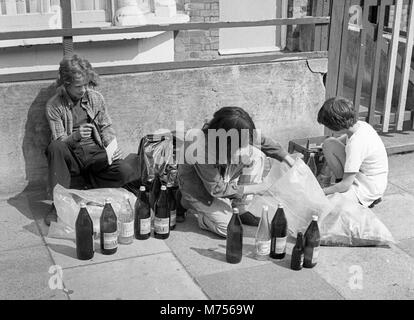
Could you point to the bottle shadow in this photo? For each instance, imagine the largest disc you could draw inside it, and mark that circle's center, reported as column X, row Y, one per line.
column 64, row 249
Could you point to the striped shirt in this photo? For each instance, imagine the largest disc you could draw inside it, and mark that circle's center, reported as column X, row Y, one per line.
column 60, row 118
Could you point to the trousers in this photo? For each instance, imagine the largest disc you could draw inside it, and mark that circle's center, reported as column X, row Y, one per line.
column 90, row 161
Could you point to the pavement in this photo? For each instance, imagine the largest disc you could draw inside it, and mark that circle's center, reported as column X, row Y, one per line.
column 191, row 265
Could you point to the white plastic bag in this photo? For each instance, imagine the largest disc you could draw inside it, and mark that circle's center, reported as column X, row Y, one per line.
column 341, row 221
column 351, row 224
column 67, row 203
column 299, row 192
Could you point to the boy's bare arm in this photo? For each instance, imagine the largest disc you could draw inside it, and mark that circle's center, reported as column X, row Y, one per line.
column 342, row 186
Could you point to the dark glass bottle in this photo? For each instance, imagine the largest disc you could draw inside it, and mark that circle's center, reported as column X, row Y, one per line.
column 297, row 254
column 312, row 243
column 108, row 229
column 278, row 233
column 162, row 216
column 180, row 209
column 234, row 242
column 172, row 206
column 84, row 234
column 142, row 225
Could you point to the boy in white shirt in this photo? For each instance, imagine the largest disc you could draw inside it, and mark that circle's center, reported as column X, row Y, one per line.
column 358, row 158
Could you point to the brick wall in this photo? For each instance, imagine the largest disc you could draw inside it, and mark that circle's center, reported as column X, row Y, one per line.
column 204, row 44
column 198, row 44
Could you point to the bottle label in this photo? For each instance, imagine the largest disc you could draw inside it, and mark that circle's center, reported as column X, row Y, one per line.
column 126, row 229
column 315, row 255
column 263, row 247
column 110, row 240
column 173, row 217
column 161, row 226
column 145, row 226
column 280, row 247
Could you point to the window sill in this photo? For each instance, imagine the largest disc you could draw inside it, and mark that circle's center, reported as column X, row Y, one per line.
column 151, row 19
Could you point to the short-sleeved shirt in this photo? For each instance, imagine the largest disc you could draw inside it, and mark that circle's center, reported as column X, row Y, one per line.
column 367, row 157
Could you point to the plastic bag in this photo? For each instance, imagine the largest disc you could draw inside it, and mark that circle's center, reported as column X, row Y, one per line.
column 341, row 221
column 299, row 192
column 156, row 158
column 67, row 203
column 351, row 224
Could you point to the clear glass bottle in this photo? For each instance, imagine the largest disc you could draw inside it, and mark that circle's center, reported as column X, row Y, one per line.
column 263, row 240
column 126, row 222
column 312, row 164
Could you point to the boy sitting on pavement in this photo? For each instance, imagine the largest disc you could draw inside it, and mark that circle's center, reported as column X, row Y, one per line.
column 357, row 158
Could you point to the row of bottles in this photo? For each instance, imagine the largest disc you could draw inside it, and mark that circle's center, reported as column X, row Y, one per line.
column 138, row 222
column 271, row 240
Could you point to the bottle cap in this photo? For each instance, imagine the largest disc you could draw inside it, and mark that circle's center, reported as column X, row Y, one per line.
column 300, row 234
column 265, row 208
column 280, row 205
column 315, row 218
column 107, row 200
column 83, row 204
column 163, row 188
column 235, row 211
column 142, row 188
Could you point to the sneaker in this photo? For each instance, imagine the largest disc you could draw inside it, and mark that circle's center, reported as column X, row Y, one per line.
column 375, row 203
column 51, row 216
column 249, row 219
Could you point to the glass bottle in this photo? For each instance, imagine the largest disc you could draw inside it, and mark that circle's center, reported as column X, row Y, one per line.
column 312, row 244
column 84, row 234
column 297, row 254
column 162, row 216
column 126, row 223
column 172, row 206
column 278, row 234
column 312, row 164
column 234, row 242
column 108, row 229
column 142, row 225
column 263, row 240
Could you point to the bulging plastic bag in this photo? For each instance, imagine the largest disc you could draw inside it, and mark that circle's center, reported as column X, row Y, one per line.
column 341, row 221
column 299, row 192
column 351, row 224
column 156, row 158
column 67, row 203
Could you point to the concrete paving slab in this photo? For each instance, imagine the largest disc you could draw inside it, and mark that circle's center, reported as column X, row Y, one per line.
column 393, row 189
column 396, row 211
column 405, row 182
column 368, row 273
column 203, row 253
column 63, row 251
column 272, row 282
column 158, row 276
column 25, row 275
column 407, row 246
column 16, row 229
column 400, row 165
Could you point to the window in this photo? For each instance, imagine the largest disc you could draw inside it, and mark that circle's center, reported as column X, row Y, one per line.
column 252, row 39
column 19, row 15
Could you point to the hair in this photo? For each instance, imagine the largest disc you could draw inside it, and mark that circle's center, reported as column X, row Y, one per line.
column 73, row 67
column 337, row 114
column 232, row 118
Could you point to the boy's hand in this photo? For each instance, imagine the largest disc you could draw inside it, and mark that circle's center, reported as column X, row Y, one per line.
column 85, row 130
column 118, row 155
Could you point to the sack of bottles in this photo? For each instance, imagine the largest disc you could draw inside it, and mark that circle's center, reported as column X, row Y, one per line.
column 341, row 223
column 156, row 157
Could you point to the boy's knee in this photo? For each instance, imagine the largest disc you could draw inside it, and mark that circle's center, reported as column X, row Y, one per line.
column 126, row 173
column 329, row 145
column 56, row 146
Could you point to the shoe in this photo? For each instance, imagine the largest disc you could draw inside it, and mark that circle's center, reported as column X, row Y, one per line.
column 51, row 216
column 249, row 219
column 375, row 203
